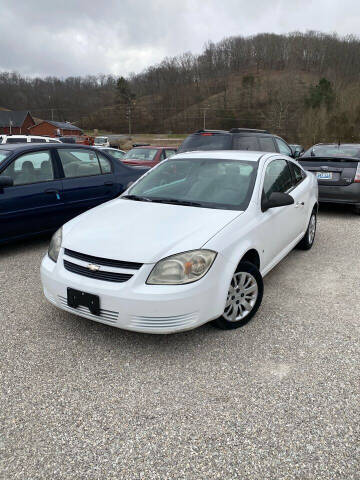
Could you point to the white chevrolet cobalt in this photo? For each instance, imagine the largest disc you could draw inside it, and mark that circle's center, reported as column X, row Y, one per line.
column 189, row 242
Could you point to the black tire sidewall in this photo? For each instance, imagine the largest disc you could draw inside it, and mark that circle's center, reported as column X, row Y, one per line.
column 247, row 267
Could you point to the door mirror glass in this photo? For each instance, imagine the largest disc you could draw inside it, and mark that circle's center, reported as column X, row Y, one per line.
column 276, row 199
column 6, row 181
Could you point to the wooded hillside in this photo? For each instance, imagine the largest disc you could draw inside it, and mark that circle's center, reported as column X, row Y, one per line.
column 305, row 87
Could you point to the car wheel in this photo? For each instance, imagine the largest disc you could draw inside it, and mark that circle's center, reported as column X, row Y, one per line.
column 357, row 210
column 244, row 297
column 308, row 240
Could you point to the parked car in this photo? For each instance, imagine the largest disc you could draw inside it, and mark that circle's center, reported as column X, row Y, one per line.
column 189, row 242
column 236, row 139
column 298, row 150
column 337, row 169
column 148, row 155
column 26, row 139
column 114, row 152
column 101, row 142
column 79, row 139
column 43, row 186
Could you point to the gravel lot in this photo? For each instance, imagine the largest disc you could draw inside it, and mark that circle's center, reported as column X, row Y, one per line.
column 277, row 399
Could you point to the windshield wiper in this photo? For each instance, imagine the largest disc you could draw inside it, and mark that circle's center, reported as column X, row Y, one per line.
column 137, row 198
column 177, row 202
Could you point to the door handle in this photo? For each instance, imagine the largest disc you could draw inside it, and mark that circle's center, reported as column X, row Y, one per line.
column 109, row 184
column 54, row 191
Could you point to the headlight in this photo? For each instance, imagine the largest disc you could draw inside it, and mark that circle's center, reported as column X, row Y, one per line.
column 55, row 245
column 182, row 268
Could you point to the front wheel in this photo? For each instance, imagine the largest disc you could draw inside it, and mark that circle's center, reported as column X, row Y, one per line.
column 244, row 297
column 308, row 240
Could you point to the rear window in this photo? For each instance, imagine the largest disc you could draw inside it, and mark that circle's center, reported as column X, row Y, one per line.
column 207, row 141
column 351, row 151
column 241, row 142
column 16, row 140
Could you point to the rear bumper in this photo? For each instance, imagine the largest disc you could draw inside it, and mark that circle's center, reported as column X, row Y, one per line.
column 348, row 194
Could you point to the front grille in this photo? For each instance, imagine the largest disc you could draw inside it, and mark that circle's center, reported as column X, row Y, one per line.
column 180, row 321
column 103, row 261
column 100, row 274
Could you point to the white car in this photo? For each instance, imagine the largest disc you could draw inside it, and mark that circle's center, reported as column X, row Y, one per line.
column 114, row 152
column 189, row 242
column 101, row 142
column 27, row 139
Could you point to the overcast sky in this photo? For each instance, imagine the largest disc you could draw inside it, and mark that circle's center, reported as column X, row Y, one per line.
column 80, row 37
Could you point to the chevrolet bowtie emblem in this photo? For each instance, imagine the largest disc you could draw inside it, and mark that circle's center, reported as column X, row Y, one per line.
column 93, row 268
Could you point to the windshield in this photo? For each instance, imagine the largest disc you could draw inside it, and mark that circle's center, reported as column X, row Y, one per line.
column 144, row 154
column 114, row 153
column 210, row 183
column 352, row 151
column 100, row 140
column 4, row 154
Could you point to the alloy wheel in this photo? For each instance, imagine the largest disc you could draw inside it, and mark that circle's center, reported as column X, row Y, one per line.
column 242, row 296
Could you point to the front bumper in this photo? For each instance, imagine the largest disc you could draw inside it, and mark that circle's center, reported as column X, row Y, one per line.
column 348, row 194
column 133, row 305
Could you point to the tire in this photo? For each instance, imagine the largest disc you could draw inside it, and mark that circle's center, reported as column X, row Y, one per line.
column 357, row 210
column 308, row 240
column 240, row 298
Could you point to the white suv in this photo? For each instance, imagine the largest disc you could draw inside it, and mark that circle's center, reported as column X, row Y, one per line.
column 26, row 139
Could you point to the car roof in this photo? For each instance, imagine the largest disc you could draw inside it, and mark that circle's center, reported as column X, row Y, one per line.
column 23, row 147
column 225, row 154
column 153, row 146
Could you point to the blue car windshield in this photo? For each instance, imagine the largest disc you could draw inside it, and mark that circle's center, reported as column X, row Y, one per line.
column 4, row 154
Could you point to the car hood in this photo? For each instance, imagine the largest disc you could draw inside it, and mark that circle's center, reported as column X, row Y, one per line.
column 143, row 232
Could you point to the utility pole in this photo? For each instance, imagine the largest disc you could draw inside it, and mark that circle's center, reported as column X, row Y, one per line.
column 129, row 118
column 204, row 109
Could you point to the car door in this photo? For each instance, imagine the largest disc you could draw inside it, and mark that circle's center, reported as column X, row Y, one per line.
column 283, row 147
column 301, row 194
column 279, row 227
column 88, row 179
column 34, row 203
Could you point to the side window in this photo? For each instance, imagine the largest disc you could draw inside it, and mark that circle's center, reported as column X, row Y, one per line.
column 284, row 149
column 241, row 142
column 31, row 168
column 79, row 163
column 267, row 144
column 277, row 178
column 297, row 173
column 105, row 164
column 169, row 153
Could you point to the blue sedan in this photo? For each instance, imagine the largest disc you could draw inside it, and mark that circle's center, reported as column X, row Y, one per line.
column 43, row 186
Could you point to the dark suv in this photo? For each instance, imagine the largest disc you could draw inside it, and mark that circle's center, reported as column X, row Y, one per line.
column 236, row 139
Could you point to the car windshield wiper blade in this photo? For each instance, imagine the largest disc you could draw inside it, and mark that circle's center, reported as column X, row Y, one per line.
column 177, row 202
column 137, row 198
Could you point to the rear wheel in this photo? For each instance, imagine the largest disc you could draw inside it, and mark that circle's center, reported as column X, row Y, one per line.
column 244, row 297
column 308, row 240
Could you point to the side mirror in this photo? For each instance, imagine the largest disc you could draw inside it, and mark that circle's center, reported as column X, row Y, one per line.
column 276, row 199
column 6, row 181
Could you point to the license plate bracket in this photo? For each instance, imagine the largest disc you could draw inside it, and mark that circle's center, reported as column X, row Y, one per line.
column 76, row 298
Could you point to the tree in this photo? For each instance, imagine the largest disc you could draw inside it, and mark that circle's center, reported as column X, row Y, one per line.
column 124, row 92
column 321, row 94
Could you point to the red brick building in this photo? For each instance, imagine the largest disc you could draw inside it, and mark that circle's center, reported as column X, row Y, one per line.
column 53, row 129
column 15, row 122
